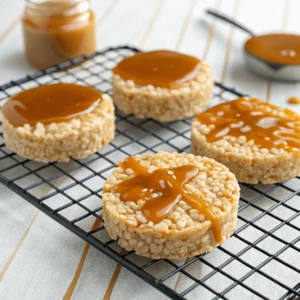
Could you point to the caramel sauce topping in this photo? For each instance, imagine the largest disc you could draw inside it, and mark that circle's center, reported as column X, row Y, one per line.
column 53, row 103
column 165, row 69
column 255, row 120
column 294, row 100
column 276, row 48
column 169, row 183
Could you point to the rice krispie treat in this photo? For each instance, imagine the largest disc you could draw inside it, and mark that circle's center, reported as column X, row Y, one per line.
column 162, row 85
column 56, row 122
column 256, row 140
column 170, row 205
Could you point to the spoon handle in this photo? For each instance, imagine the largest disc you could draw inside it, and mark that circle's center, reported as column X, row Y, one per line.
column 229, row 20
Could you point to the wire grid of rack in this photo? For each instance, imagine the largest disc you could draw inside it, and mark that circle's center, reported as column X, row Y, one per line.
column 260, row 261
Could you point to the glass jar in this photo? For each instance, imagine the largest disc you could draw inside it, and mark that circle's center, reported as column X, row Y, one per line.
column 57, row 30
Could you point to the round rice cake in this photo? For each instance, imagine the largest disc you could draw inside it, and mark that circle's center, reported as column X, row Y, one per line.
column 51, row 135
column 256, row 140
column 170, row 205
column 162, row 85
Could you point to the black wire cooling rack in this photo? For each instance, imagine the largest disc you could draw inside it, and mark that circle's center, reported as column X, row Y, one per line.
column 260, row 261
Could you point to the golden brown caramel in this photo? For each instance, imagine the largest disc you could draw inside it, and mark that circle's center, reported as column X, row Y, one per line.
column 253, row 119
column 168, row 182
column 57, row 31
column 166, row 69
column 294, row 100
column 53, row 103
column 276, row 48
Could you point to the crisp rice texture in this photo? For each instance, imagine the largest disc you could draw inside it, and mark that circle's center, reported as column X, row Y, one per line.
column 249, row 162
column 78, row 138
column 164, row 104
column 185, row 232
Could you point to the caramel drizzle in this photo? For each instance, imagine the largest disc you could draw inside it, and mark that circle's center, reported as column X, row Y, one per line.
column 255, row 120
column 169, row 183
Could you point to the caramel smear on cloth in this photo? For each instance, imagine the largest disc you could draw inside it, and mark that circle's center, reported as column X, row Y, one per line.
column 294, row 100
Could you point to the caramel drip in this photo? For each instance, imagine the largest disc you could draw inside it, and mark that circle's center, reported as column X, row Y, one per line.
column 255, row 120
column 276, row 48
column 294, row 100
column 165, row 69
column 169, row 183
column 53, row 103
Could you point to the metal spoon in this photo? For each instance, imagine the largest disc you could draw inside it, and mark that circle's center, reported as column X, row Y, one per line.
column 229, row 20
column 257, row 64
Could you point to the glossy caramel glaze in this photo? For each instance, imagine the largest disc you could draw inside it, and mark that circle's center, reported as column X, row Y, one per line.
column 294, row 100
column 255, row 120
column 169, row 183
column 53, row 103
column 160, row 68
column 276, row 48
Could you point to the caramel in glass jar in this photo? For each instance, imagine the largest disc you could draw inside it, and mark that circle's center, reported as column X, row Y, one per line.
column 52, row 103
column 166, row 69
column 255, row 120
column 56, row 31
column 168, row 182
column 278, row 48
